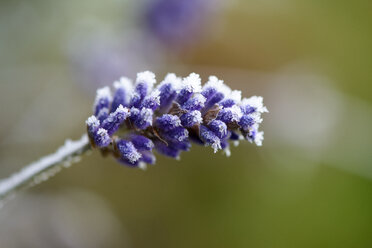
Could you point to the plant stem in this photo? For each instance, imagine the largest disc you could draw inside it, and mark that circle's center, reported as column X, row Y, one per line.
column 45, row 167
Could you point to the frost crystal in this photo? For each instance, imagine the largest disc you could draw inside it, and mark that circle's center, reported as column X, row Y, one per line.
column 171, row 115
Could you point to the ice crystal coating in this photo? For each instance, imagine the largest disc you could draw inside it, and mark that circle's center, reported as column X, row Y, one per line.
column 166, row 117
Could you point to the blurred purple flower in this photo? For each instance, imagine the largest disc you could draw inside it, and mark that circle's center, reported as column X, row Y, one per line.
column 177, row 22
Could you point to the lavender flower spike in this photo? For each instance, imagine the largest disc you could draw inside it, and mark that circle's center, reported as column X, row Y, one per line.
column 135, row 121
column 167, row 117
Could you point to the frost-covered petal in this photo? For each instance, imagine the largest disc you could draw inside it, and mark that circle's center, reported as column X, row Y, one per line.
column 191, row 118
column 216, row 98
column 228, row 115
column 190, row 85
column 232, row 99
column 195, row 103
column 123, row 92
column 168, row 122
column 168, row 90
column 144, row 84
column 219, row 128
column 141, row 119
column 246, row 121
column 152, row 101
column 209, row 138
column 103, row 100
column 103, row 114
column 167, row 150
column 255, row 102
column 102, row 138
column 93, row 125
column 115, row 119
column 177, row 134
column 141, row 142
column 128, row 152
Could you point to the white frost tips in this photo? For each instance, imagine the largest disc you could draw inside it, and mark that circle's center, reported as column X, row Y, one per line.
column 197, row 117
column 92, row 121
column 155, row 96
column 146, row 115
column 235, row 95
column 192, row 83
column 146, row 77
column 124, row 83
column 200, row 98
column 171, row 78
column 256, row 102
column 259, row 138
column 142, row 165
column 213, row 82
column 216, row 146
column 102, row 132
column 121, row 109
column 236, row 113
column 103, row 93
column 227, row 151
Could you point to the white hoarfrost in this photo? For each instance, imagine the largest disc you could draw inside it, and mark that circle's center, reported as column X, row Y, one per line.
column 171, row 78
column 102, row 93
column 43, row 168
column 256, row 102
column 192, row 83
column 146, row 77
column 126, row 84
column 92, row 121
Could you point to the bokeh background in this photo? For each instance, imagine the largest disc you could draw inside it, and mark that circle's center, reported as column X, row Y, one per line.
column 310, row 185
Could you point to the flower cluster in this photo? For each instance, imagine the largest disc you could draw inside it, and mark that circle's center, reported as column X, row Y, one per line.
column 141, row 117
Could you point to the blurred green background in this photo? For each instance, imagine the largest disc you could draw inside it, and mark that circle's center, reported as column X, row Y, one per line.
column 309, row 185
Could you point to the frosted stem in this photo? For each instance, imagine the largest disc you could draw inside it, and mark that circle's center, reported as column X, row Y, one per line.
column 45, row 167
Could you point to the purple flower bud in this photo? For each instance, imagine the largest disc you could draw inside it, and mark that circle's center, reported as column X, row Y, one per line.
column 167, row 122
column 102, row 138
column 213, row 100
column 151, row 101
column 190, row 85
column 128, row 152
column 103, row 100
column 228, row 115
column 141, row 119
column 209, row 138
column 213, row 86
column 231, row 98
column 195, row 103
column 219, row 128
column 177, row 134
column 144, row 83
column 167, row 150
column 191, row 118
column 141, row 142
column 253, row 104
column 93, row 125
column 124, row 89
column 103, row 114
column 168, row 91
column 115, row 119
column 246, row 121
column 227, row 103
